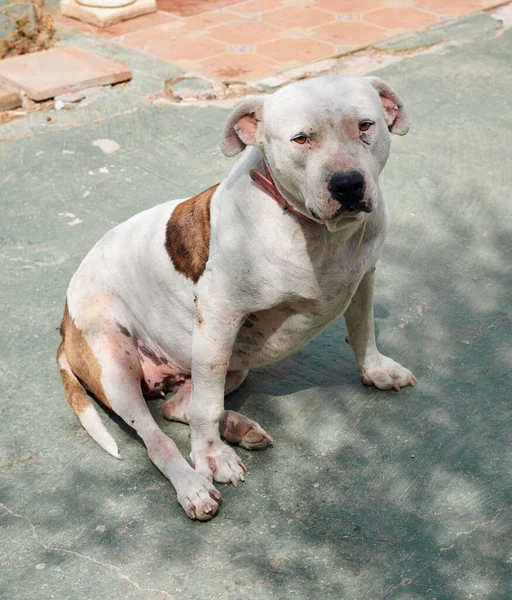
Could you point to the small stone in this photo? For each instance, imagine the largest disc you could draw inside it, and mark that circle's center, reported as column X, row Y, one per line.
column 161, row 102
column 59, row 105
column 72, row 96
column 24, row 100
column 40, row 566
column 106, row 145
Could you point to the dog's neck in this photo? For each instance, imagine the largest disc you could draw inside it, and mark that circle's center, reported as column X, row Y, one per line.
column 266, row 183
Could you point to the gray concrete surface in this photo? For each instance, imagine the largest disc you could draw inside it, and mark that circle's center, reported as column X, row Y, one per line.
column 365, row 494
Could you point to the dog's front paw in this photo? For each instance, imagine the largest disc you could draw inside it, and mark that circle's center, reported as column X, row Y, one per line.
column 196, row 495
column 218, row 462
column 386, row 374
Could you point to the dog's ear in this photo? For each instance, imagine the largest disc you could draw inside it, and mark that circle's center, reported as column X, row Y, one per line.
column 394, row 111
column 244, row 126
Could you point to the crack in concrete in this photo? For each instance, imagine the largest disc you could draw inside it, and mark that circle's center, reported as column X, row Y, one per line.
column 108, row 566
column 406, row 581
column 485, row 523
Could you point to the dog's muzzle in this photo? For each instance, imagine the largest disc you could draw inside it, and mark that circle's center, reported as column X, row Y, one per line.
column 348, row 188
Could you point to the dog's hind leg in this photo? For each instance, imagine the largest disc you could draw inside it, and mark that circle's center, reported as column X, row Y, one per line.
column 106, row 361
column 196, row 494
column 234, row 427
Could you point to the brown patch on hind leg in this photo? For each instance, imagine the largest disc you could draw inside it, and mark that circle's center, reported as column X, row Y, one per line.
column 80, row 357
column 74, row 391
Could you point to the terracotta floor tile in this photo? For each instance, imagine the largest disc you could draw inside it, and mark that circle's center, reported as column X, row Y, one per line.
column 10, row 97
column 349, row 6
column 299, row 17
column 350, row 34
column 244, row 32
column 187, row 8
column 240, row 66
column 123, row 28
column 489, row 3
column 141, row 38
column 178, row 50
column 236, row 39
column 140, row 23
column 400, row 18
column 258, row 6
column 209, row 19
column 298, row 33
column 302, row 51
column 449, row 7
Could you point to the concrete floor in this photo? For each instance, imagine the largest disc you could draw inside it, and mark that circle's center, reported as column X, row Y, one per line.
column 365, row 494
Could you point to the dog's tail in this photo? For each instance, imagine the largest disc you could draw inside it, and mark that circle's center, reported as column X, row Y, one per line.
column 82, row 405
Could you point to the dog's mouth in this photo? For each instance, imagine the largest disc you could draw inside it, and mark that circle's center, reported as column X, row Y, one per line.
column 350, row 214
column 347, row 214
column 340, row 213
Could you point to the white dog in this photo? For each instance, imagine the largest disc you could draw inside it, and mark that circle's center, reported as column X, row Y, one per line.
column 191, row 294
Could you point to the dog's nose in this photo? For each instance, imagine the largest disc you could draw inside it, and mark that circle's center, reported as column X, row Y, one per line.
column 347, row 187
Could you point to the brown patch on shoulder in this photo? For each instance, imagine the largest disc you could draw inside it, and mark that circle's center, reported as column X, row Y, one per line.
column 187, row 238
column 83, row 364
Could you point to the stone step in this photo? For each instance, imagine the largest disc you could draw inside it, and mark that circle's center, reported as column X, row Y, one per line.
column 9, row 97
column 46, row 74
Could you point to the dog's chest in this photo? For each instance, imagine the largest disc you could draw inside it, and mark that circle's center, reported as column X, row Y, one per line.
column 270, row 335
column 323, row 292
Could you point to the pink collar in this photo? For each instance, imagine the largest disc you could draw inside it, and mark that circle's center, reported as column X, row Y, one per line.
column 267, row 185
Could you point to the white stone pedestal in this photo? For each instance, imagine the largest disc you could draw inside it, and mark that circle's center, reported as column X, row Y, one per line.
column 104, row 13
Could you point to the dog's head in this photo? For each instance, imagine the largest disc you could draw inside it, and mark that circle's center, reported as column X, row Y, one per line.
column 325, row 140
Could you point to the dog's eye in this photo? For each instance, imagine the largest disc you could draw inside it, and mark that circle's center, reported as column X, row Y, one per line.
column 365, row 125
column 300, row 139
